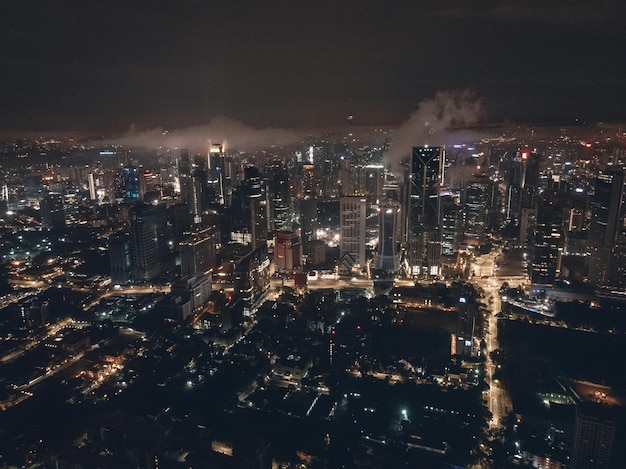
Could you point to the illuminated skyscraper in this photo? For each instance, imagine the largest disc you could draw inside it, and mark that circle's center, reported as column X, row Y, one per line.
column 606, row 212
column 548, row 241
column 149, row 233
column 249, row 210
column 422, row 202
column 216, row 169
column 198, row 251
column 130, row 184
column 352, row 217
column 387, row 257
column 287, row 251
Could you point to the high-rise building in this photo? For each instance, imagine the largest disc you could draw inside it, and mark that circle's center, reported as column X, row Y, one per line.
column 307, row 215
column 249, row 210
column 594, row 437
column 547, row 242
column 449, row 220
column 606, row 212
column 33, row 189
column 193, row 291
column 252, row 275
column 52, row 214
column 216, row 172
column 121, row 259
column 474, row 211
column 198, row 251
column 92, row 186
column 130, row 184
column 197, row 194
column 149, row 233
column 423, row 211
column 387, row 256
column 352, row 218
column 466, row 326
column 287, row 251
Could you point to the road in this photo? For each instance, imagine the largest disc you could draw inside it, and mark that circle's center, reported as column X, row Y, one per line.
column 50, row 331
column 498, row 398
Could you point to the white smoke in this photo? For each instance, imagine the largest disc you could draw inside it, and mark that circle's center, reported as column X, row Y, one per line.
column 233, row 133
column 433, row 123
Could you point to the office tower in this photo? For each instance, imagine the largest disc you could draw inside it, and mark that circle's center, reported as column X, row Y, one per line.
column 252, row 275
column 149, row 232
column 149, row 182
column 307, row 216
column 547, row 242
column 121, row 259
column 475, row 212
column 92, row 186
column 130, row 184
column 280, row 216
column 216, row 168
column 198, row 193
column 374, row 180
column 530, row 168
column 249, row 210
column 449, row 220
column 198, row 251
column 52, row 214
column 423, row 234
column 594, row 437
column 606, row 214
column 184, row 175
column 287, row 251
column 32, row 189
column 193, row 292
column 352, row 217
column 387, row 257
column 466, row 325
column 318, row 252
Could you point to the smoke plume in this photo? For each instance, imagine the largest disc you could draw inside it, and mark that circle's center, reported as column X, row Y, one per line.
column 433, row 123
column 234, row 134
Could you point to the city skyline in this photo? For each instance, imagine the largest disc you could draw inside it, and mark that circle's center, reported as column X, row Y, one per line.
column 285, row 64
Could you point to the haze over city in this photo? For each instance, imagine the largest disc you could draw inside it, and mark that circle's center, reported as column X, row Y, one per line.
column 301, row 235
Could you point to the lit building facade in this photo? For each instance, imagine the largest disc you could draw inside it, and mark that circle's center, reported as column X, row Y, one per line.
column 422, row 231
column 352, row 217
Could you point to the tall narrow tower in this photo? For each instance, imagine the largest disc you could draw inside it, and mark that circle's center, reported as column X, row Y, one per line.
column 387, row 257
column 423, row 204
column 352, row 216
column 216, row 172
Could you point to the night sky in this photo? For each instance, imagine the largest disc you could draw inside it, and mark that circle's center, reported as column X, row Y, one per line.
column 107, row 65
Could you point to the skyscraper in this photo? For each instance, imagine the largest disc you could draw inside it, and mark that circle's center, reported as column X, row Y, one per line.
column 249, row 209
column 216, row 172
column 352, row 217
column 422, row 201
column 595, row 433
column 52, row 213
column 387, row 257
column 287, row 251
column 606, row 210
column 198, row 251
column 548, row 241
column 149, row 235
column 130, row 184
column 121, row 259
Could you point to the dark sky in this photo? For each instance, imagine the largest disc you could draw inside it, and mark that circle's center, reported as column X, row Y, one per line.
column 106, row 65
